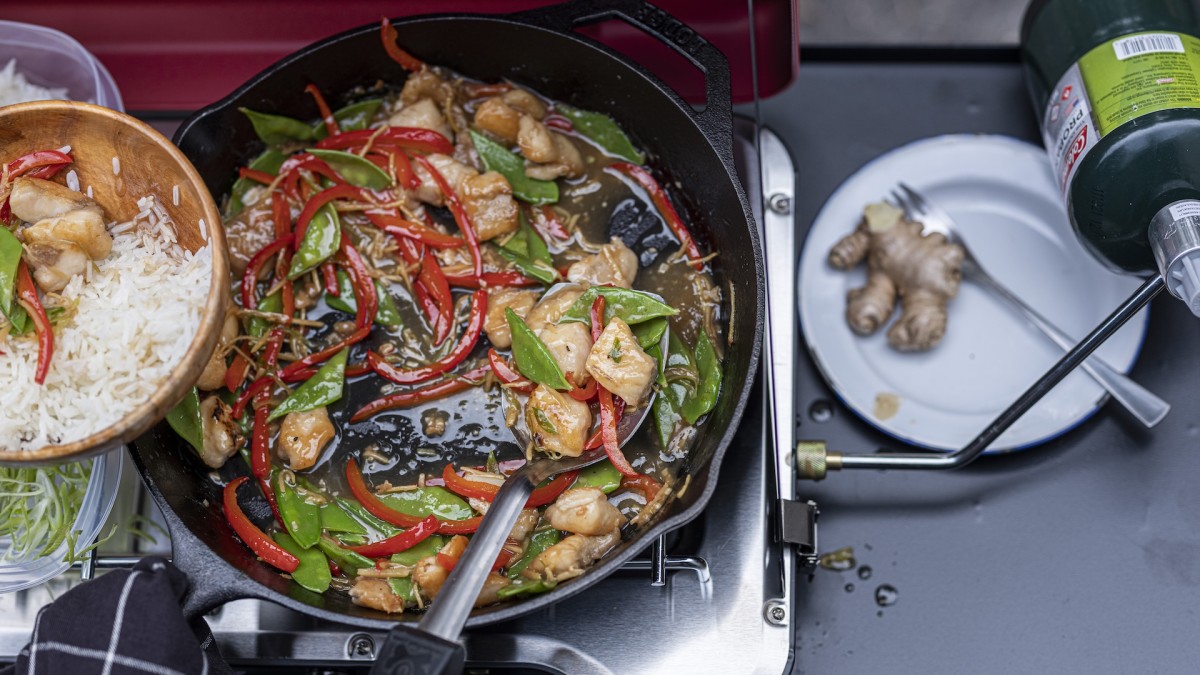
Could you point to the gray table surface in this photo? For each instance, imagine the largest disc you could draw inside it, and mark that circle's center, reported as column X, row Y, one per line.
column 1078, row 556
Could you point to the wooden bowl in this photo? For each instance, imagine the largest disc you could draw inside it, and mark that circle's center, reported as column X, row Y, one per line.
column 149, row 165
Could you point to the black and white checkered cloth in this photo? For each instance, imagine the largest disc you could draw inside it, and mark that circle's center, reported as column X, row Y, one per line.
column 121, row 623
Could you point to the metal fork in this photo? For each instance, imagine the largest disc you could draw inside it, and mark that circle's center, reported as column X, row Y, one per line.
column 1143, row 404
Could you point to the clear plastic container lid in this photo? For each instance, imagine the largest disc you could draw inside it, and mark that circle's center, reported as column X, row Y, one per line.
column 50, row 58
column 97, row 503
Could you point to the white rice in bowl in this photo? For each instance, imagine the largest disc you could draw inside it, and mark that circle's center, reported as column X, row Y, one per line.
column 127, row 325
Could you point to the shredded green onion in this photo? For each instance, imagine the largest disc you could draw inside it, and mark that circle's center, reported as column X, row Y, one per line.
column 38, row 507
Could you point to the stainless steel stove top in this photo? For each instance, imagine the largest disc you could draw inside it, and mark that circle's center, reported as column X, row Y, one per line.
column 716, row 593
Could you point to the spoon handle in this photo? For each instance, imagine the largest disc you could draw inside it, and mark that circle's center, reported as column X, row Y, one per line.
column 448, row 613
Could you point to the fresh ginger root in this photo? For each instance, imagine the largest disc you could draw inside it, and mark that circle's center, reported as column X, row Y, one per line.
column 924, row 271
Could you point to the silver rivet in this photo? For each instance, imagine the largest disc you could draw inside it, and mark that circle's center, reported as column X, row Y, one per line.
column 776, row 613
column 360, row 646
column 780, row 203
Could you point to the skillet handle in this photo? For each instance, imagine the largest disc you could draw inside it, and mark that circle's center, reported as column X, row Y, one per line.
column 716, row 119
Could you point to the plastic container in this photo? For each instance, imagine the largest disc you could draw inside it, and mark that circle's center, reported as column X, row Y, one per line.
column 93, row 511
column 50, row 58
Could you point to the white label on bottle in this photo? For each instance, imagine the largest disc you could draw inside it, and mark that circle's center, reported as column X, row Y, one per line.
column 1067, row 127
column 1147, row 43
column 1186, row 209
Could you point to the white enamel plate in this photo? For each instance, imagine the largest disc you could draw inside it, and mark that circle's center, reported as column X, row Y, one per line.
column 1001, row 194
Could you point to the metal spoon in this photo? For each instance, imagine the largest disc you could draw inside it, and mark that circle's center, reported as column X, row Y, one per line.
column 449, row 612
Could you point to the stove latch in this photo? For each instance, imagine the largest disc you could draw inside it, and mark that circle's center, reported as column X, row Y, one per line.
column 798, row 526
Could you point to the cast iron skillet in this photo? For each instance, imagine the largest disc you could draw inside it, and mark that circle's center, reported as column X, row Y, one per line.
column 539, row 49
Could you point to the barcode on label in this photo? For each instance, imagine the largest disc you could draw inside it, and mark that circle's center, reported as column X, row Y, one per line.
column 1151, row 43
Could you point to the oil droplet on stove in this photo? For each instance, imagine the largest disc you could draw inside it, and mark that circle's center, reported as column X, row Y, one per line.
column 840, row 560
column 886, row 595
column 849, row 588
column 864, row 572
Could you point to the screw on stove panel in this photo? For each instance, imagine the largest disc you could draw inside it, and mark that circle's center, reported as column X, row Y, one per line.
column 780, row 203
column 775, row 612
column 361, row 647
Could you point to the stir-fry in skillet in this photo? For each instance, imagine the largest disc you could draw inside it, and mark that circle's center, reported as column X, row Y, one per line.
column 406, row 262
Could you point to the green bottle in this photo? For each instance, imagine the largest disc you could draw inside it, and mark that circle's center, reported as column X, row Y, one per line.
column 1117, row 86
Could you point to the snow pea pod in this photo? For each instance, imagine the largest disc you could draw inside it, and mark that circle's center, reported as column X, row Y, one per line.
column 313, row 571
column 632, row 306
column 278, row 129
column 357, row 171
column 603, row 131
column 10, row 258
column 601, row 475
column 648, row 333
column 541, row 540
column 533, row 358
column 387, row 314
column 185, row 420
column 429, row 500
column 334, row 518
column 498, row 158
column 709, row 368
column 257, row 326
column 427, row 547
column 268, row 162
column 321, row 389
column 364, row 516
column 301, row 517
column 528, row 252
column 321, row 240
column 403, row 587
column 348, row 560
column 353, row 117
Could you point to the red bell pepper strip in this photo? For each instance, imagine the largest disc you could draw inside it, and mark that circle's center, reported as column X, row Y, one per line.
column 596, row 439
column 256, row 175
column 262, row 545
column 647, row 485
column 329, row 274
column 665, row 208
column 506, row 278
column 334, row 570
column 446, row 562
column 460, row 214
column 558, row 122
column 549, row 225
column 235, row 374
column 503, row 558
column 281, row 213
column 455, row 356
column 608, row 433
column 467, row 526
column 401, row 227
column 348, row 192
column 254, row 267
column 407, row 61
column 358, row 369
column 413, row 139
column 400, row 542
column 239, row 406
column 331, row 124
column 507, row 375
column 260, row 443
column 404, row 172
column 586, row 393
column 299, row 369
column 27, row 296
column 372, row 503
column 486, row 491
column 366, row 301
column 432, row 392
column 434, row 283
column 264, row 484
column 475, row 90
column 597, row 318
column 36, row 160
